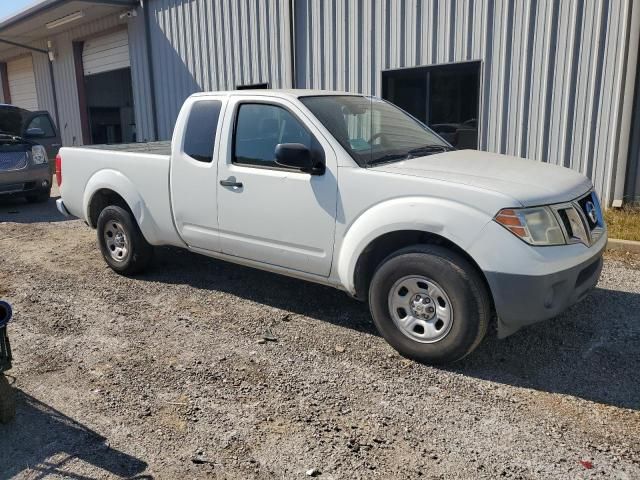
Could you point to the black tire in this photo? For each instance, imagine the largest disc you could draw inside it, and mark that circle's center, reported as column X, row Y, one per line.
column 7, row 401
column 39, row 197
column 138, row 251
column 464, row 287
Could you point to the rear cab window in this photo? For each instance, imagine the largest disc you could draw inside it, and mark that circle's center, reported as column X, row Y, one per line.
column 200, row 135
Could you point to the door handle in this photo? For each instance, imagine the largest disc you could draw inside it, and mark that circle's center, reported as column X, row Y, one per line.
column 231, row 182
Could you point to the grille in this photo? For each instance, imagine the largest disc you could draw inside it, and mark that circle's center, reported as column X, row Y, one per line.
column 12, row 161
column 590, row 208
column 582, row 219
column 14, row 187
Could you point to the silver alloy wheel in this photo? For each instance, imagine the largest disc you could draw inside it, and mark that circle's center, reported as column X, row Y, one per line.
column 116, row 240
column 421, row 309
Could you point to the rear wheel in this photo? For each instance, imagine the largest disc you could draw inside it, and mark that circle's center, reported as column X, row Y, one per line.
column 121, row 242
column 430, row 304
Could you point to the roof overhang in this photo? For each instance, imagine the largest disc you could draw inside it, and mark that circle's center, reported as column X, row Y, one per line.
column 49, row 18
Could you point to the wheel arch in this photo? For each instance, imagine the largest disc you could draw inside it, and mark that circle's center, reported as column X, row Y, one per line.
column 109, row 187
column 381, row 247
column 399, row 223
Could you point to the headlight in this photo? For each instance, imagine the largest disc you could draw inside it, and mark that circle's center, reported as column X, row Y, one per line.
column 39, row 155
column 536, row 226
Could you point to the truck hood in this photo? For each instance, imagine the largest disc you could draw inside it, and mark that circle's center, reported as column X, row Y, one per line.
column 528, row 181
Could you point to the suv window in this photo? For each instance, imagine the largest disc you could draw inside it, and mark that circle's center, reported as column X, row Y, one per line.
column 260, row 128
column 200, row 136
column 43, row 122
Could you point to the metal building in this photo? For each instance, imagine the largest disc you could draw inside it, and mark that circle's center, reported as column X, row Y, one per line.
column 552, row 80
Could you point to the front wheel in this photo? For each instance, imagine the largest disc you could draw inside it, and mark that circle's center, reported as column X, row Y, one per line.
column 430, row 304
column 121, row 242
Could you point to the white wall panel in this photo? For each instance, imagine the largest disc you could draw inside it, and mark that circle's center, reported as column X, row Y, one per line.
column 22, row 83
column 106, row 53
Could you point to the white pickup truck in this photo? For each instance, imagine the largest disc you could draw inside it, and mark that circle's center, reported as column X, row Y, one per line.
column 351, row 192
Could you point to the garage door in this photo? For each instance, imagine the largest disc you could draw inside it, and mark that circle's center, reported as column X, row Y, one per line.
column 106, row 53
column 22, row 83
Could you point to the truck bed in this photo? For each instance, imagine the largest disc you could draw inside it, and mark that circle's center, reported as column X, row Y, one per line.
column 153, row 148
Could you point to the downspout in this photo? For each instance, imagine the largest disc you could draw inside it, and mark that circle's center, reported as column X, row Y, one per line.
column 633, row 39
column 152, row 83
column 55, row 94
column 292, row 41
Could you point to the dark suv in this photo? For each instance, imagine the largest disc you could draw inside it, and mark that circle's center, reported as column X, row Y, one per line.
column 29, row 142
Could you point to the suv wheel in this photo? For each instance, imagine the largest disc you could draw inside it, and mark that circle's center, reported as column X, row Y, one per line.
column 39, row 197
column 430, row 304
column 121, row 242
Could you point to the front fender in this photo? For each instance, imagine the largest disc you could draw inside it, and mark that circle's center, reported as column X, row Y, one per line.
column 458, row 223
column 117, row 182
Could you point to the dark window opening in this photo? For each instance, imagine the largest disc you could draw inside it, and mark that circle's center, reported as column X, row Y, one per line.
column 445, row 97
column 254, row 86
column 200, row 136
column 110, row 104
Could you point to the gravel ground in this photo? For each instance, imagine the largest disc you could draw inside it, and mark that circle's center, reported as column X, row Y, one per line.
column 169, row 376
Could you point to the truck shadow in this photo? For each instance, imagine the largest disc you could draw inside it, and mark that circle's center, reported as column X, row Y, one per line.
column 18, row 210
column 42, row 442
column 591, row 351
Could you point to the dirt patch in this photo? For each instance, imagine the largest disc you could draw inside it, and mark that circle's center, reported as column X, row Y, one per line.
column 163, row 375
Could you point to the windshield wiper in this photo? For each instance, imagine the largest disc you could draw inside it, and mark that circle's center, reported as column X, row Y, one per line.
column 420, row 151
column 391, row 157
column 427, row 149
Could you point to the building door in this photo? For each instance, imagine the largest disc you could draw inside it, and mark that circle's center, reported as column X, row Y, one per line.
column 445, row 97
column 108, row 88
column 22, row 83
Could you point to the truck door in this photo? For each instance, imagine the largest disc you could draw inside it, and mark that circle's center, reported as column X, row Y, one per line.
column 193, row 176
column 268, row 213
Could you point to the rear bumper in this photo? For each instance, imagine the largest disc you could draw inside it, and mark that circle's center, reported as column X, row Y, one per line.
column 29, row 180
column 62, row 209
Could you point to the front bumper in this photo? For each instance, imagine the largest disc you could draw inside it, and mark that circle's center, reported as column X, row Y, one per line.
column 521, row 300
column 531, row 284
column 29, row 180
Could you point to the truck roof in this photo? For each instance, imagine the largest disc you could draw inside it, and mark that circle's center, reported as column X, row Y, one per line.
column 284, row 92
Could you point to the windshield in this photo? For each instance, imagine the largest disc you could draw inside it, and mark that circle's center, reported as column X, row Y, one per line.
column 12, row 120
column 374, row 131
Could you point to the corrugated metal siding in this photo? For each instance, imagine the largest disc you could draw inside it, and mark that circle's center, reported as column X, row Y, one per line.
column 43, row 80
column 141, row 79
column 203, row 45
column 552, row 73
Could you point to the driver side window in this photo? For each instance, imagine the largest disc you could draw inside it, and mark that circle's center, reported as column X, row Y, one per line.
column 43, row 123
column 260, row 128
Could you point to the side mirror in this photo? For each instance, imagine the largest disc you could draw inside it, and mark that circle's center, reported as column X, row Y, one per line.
column 296, row 155
column 35, row 132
